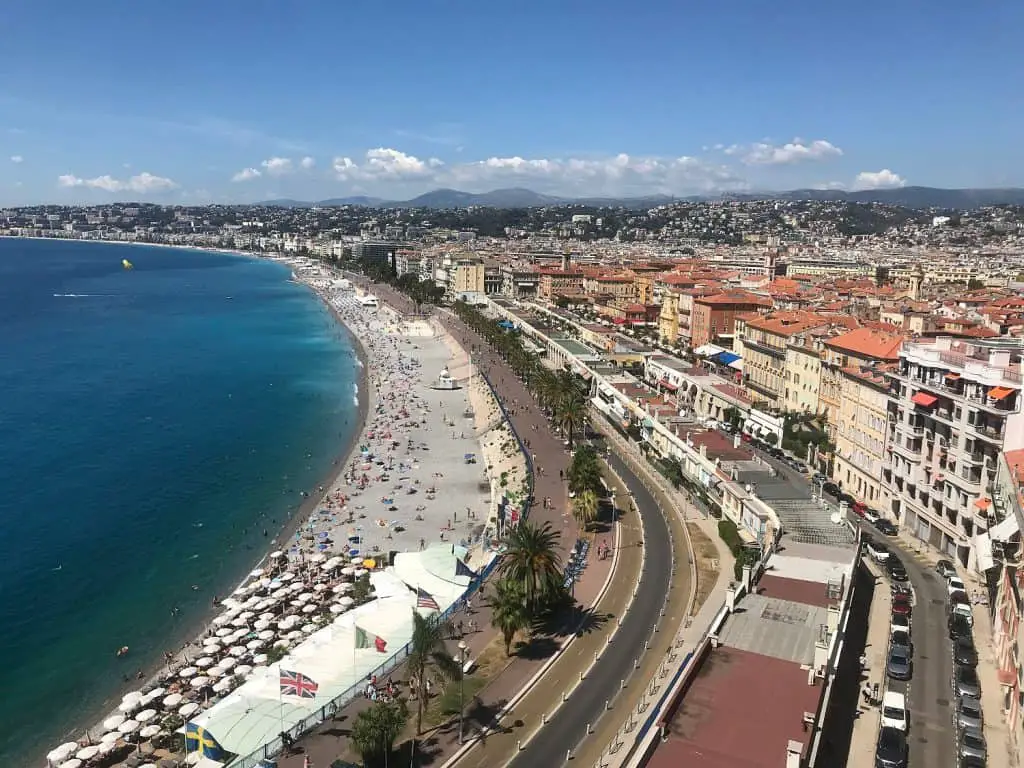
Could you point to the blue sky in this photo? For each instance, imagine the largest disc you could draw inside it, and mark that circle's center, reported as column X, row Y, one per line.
column 233, row 101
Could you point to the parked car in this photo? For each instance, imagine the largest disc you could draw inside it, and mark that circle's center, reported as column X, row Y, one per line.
column 899, row 622
column 945, row 569
column 894, row 711
column 831, row 489
column 965, row 682
column 960, row 605
column 901, row 637
column 972, row 743
column 964, row 653
column 886, row 526
column 846, row 498
column 959, row 628
column 970, row 761
column 898, row 573
column 900, row 588
column 891, row 750
column 898, row 667
column 901, row 605
column 955, row 584
column 876, row 551
column 871, row 516
column 968, row 713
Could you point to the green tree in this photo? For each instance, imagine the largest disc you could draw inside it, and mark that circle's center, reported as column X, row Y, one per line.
column 584, row 508
column 584, row 471
column 570, row 411
column 509, row 614
column 427, row 653
column 532, row 560
column 375, row 730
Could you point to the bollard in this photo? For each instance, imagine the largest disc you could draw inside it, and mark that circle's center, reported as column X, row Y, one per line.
column 581, row 676
column 568, row 753
column 647, row 645
column 636, row 664
column 590, row 729
column 565, row 697
column 544, row 718
column 519, row 746
column 655, row 627
column 622, row 683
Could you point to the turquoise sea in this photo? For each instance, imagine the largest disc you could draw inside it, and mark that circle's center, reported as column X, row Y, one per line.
column 153, row 423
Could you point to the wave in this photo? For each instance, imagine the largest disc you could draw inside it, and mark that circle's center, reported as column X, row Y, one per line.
column 79, row 295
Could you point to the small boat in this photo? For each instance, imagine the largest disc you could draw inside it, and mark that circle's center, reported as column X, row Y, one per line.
column 127, row 264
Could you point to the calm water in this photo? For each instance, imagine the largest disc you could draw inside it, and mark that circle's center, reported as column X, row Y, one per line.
column 152, row 423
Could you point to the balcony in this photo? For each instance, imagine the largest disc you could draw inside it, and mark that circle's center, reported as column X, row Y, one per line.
column 764, row 348
column 910, row 448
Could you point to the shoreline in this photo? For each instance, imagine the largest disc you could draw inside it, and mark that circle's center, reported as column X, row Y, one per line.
column 188, row 640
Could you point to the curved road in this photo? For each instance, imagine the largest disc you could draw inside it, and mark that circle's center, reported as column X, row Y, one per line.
column 587, row 703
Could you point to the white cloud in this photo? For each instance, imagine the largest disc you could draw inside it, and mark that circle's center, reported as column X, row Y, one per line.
column 307, row 163
column 621, row 173
column 796, row 151
column 17, row 159
column 143, row 183
column 837, row 185
column 246, row 174
column 883, row 179
column 278, row 166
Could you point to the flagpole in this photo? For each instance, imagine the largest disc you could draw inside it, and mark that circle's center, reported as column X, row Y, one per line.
column 186, row 741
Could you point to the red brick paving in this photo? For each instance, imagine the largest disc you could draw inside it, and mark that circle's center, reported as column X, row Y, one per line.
column 795, row 590
column 740, row 712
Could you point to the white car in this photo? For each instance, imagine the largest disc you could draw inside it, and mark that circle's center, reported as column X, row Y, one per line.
column 871, row 516
column 894, row 711
column 877, row 553
column 955, row 584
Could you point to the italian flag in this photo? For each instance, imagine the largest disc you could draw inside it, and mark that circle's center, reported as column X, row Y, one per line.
column 366, row 639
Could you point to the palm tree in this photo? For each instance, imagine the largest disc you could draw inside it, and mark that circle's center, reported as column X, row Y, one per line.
column 375, row 730
column 532, row 560
column 508, row 610
column 584, row 471
column 570, row 413
column 427, row 651
column 584, row 508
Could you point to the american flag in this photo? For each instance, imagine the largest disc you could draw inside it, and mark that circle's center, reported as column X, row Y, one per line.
column 424, row 600
column 296, row 684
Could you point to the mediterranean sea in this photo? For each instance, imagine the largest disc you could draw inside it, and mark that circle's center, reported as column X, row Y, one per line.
column 154, row 422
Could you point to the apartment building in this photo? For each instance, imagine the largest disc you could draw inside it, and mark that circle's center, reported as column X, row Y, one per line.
column 803, row 372
column 762, row 342
column 713, row 317
column 860, row 434
column 860, row 348
column 668, row 320
column 556, row 281
column 616, row 286
column 954, row 406
column 519, row 282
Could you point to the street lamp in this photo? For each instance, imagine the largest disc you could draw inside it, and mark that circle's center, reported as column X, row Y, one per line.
column 463, row 652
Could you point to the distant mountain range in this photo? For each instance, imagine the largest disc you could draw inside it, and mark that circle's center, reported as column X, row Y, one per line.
column 909, row 197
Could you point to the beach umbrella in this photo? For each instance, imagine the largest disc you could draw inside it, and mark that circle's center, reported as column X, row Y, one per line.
column 237, row 650
column 309, row 609
column 262, row 626
column 223, row 632
column 319, row 587
column 132, row 696
column 128, row 726
column 199, row 682
column 243, row 669
column 309, row 628
column 246, row 614
column 337, row 609
column 156, row 693
column 319, row 557
column 355, row 560
column 63, row 752
column 238, row 621
column 282, row 643
column 173, row 700
column 213, row 647
column 149, row 731
column 348, row 570
column 188, row 709
column 106, row 747
column 293, row 635
column 343, row 588
column 223, row 686
column 129, row 706
column 204, row 662
column 260, row 658
column 110, row 738
column 253, row 645
column 87, row 753
column 276, row 554
column 113, row 721
column 72, row 763
column 146, row 715
column 222, row 619
column 266, row 634
column 188, row 672
column 214, row 672
column 255, row 573
column 347, row 600
column 228, row 664
column 360, row 572
column 286, row 576
column 278, row 593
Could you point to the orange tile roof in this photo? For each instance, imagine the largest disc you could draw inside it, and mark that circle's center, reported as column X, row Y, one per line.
column 736, row 297
column 869, row 343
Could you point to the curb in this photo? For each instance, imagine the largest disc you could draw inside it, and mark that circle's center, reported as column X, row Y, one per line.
column 533, row 681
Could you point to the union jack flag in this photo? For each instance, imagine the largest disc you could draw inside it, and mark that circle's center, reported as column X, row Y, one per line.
column 296, row 684
column 424, row 600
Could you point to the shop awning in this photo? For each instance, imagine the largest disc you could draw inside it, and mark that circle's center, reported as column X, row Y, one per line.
column 1005, row 530
column 668, row 385
column 725, row 358
column 953, row 376
column 707, row 350
column 737, row 364
column 983, row 548
column 983, row 504
column 998, row 393
column 924, row 399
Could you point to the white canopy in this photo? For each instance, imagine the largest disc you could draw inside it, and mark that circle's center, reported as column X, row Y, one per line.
column 87, row 753
column 128, row 726
column 113, row 721
column 63, row 752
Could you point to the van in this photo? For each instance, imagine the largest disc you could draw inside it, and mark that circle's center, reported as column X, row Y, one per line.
column 894, row 711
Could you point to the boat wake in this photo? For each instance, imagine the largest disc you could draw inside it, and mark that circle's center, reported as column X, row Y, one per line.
column 78, row 295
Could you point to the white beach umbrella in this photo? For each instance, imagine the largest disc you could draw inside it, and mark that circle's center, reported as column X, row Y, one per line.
column 74, row 762
column 238, row 621
column 133, row 696
column 295, row 634
column 310, row 628
column 189, row 709
column 63, row 752
column 341, row 589
column 243, row 669
column 106, row 747
column 213, row 648
column 222, row 619
column 348, row 570
column 173, row 700
column 309, row 608
column 255, row 573
column 254, row 645
column 223, row 632
column 87, row 753
column 262, row 625
column 128, row 726
column 204, row 662
column 347, row 600
column 110, row 738
column 228, row 664
column 146, row 715
column 279, row 593
column 199, row 682
column 149, row 731
column 319, row 587
column 336, row 609
column 188, row 672
column 129, row 706
column 266, row 634
column 305, row 596
column 223, row 686
column 319, row 557
column 268, row 616
column 260, row 658
column 237, row 651
column 276, row 554
column 156, row 693
column 247, row 614
column 286, row 576
column 282, row 643
column 113, row 721
column 360, row 572
column 356, row 561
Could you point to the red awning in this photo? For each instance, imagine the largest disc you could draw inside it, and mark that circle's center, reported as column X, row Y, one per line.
column 953, row 376
column 669, row 385
column 923, row 398
column 998, row 393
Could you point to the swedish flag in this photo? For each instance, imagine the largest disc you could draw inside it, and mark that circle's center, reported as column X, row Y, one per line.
column 197, row 739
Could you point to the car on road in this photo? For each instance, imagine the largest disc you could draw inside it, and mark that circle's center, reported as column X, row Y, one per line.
column 969, row 761
column 968, row 713
column 965, row 682
column 955, row 584
column 831, row 489
column 894, row 711
column 972, row 743
column 901, row 605
column 898, row 573
column 964, row 653
column 945, row 569
column 886, row 526
column 891, row 750
column 899, row 666
column 960, row 605
column 876, row 551
column 898, row 622
column 959, row 628
column 901, row 637
column 871, row 516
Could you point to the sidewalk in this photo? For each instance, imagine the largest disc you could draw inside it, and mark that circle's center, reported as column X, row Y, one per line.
column 876, row 651
column 997, row 734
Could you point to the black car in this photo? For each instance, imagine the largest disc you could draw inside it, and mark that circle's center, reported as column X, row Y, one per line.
column 964, row 653
column 846, row 498
column 972, row 761
column 831, row 489
column 886, row 527
column 896, row 570
column 959, row 628
column 899, row 665
column 891, row 751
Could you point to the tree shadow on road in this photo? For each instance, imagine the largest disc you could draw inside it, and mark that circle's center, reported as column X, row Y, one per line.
column 538, row 647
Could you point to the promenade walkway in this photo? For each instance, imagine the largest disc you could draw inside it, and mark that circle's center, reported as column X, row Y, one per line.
column 876, row 651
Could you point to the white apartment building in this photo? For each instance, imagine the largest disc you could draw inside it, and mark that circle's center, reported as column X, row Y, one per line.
column 954, row 406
